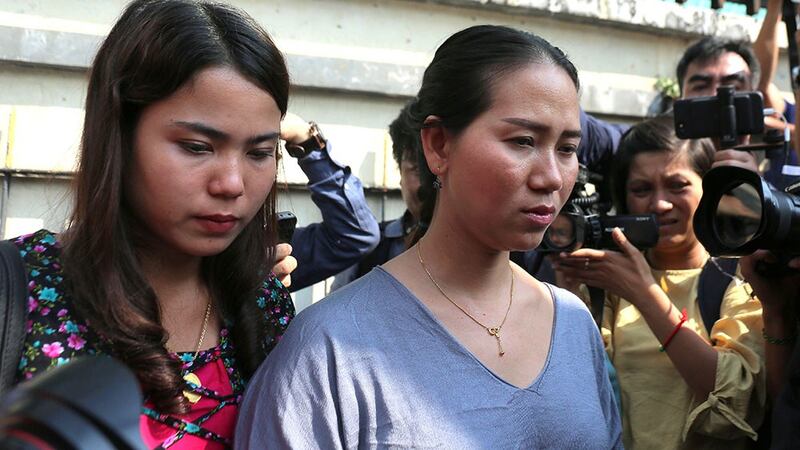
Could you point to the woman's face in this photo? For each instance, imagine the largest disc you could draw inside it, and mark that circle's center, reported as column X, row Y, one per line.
column 203, row 163
column 665, row 184
column 409, row 183
column 510, row 171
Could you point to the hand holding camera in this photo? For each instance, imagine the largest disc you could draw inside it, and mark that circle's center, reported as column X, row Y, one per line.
column 624, row 273
column 775, row 293
column 285, row 263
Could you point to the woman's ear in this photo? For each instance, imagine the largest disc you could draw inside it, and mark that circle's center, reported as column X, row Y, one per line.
column 434, row 144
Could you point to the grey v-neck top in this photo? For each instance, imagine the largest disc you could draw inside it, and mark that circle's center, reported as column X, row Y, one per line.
column 371, row 367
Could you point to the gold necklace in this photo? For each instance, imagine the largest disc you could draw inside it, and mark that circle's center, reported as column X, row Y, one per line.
column 203, row 331
column 493, row 331
column 191, row 377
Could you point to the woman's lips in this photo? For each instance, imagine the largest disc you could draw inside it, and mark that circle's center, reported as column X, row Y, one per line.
column 667, row 222
column 218, row 223
column 541, row 216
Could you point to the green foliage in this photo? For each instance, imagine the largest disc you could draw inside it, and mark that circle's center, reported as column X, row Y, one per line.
column 668, row 87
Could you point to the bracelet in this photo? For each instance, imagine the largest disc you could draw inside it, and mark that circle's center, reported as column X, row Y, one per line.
column 684, row 317
column 778, row 341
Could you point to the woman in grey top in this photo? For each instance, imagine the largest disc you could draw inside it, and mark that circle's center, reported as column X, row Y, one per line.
column 449, row 345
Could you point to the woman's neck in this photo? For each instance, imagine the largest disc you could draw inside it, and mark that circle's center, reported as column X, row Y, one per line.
column 176, row 279
column 692, row 257
column 463, row 266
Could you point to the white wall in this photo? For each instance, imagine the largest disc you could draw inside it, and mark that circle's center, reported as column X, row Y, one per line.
column 353, row 63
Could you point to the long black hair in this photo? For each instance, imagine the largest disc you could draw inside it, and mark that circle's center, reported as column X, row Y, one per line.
column 155, row 48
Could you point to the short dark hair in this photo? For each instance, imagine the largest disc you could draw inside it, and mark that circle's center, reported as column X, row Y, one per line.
column 405, row 136
column 712, row 47
column 656, row 135
column 458, row 84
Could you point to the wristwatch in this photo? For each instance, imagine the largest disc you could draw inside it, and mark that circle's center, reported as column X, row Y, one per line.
column 316, row 142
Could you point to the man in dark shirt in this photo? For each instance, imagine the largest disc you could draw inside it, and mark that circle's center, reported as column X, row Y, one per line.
column 348, row 230
column 396, row 235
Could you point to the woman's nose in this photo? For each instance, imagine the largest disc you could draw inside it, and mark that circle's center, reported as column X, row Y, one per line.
column 227, row 179
column 660, row 204
column 547, row 175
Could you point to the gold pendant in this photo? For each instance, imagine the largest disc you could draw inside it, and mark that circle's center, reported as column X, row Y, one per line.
column 495, row 331
column 192, row 396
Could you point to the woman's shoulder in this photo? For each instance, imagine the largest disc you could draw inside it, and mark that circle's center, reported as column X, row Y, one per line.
column 54, row 332
column 343, row 311
column 274, row 298
column 41, row 248
column 569, row 308
column 565, row 302
column 274, row 301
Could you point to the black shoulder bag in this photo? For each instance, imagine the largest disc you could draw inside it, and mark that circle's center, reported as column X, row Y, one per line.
column 13, row 293
column 711, row 289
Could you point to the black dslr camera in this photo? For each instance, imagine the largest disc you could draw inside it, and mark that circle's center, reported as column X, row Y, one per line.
column 92, row 402
column 584, row 222
column 739, row 212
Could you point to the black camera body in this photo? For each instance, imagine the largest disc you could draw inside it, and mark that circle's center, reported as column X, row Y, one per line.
column 92, row 402
column 585, row 223
column 287, row 222
column 726, row 116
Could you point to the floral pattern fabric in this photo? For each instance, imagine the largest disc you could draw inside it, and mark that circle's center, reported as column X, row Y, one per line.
column 56, row 333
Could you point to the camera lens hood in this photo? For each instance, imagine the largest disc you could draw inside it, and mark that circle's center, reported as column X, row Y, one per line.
column 740, row 213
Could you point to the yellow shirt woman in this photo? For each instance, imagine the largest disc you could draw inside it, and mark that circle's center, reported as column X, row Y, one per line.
column 701, row 391
column 659, row 409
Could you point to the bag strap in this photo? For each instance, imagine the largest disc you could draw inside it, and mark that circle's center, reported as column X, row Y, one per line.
column 13, row 295
column 711, row 288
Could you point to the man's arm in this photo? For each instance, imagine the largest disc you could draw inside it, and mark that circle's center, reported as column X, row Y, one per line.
column 348, row 230
column 599, row 142
column 767, row 53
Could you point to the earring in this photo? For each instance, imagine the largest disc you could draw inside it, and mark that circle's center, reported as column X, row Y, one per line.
column 437, row 183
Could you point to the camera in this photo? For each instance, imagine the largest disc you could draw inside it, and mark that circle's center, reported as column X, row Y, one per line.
column 740, row 213
column 726, row 116
column 287, row 222
column 91, row 402
column 584, row 222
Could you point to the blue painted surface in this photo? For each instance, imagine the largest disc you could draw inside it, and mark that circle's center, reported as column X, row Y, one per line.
column 729, row 7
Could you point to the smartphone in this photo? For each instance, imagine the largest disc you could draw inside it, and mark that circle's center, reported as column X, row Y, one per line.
column 287, row 221
column 701, row 117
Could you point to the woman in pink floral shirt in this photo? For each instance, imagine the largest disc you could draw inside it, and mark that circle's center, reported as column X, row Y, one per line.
column 165, row 264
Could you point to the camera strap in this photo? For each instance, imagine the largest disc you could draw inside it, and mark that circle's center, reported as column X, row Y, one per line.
column 711, row 288
column 13, row 296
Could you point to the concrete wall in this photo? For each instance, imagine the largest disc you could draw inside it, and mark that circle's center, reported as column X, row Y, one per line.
column 353, row 64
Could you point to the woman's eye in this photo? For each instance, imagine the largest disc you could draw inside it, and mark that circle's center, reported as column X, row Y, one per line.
column 568, row 149
column 639, row 191
column 195, row 147
column 523, row 141
column 678, row 186
column 262, row 153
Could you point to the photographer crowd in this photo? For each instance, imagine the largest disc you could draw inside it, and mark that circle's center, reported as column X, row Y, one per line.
column 508, row 307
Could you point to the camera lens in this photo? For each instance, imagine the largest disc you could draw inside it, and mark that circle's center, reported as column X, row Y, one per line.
column 738, row 215
column 561, row 233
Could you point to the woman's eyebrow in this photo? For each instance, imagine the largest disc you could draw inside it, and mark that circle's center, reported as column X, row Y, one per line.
column 536, row 126
column 219, row 135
